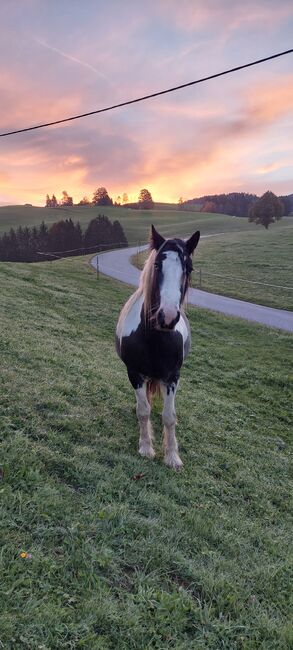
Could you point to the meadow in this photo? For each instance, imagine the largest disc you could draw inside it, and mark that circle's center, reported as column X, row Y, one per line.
column 121, row 552
column 254, row 265
column 136, row 223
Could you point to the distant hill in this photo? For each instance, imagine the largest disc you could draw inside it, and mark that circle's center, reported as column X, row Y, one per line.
column 234, row 203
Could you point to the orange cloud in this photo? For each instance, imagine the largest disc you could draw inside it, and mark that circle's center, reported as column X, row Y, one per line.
column 271, row 101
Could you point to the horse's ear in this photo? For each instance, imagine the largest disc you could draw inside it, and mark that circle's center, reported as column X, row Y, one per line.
column 156, row 240
column 192, row 242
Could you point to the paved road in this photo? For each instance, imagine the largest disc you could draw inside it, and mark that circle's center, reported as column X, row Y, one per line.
column 116, row 264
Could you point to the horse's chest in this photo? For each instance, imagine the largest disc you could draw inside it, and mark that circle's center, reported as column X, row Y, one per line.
column 155, row 355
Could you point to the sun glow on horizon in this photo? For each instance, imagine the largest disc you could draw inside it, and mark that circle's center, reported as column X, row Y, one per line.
column 233, row 134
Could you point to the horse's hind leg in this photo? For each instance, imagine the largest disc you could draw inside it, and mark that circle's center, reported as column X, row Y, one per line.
column 143, row 411
column 171, row 456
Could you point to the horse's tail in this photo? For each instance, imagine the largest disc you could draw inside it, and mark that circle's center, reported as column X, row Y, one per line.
column 153, row 389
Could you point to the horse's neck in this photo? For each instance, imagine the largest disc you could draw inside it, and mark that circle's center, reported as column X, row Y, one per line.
column 130, row 315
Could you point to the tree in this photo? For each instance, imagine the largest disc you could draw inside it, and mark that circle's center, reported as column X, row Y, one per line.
column 208, row 206
column 118, row 235
column 145, row 201
column 125, row 198
column 101, row 197
column 66, row 200
column 84, row 201
column 266, row 210
column 51, row 203
column 235, row 203
column 43, row 238
column 287, row 201
column 65, row 236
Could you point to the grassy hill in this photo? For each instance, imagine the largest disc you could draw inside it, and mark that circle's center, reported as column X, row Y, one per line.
column 255, row 265
column 200, row 559
column 136, row 223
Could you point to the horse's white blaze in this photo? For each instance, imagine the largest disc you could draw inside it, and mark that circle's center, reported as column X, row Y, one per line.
column 130, row 323
column 170, row 289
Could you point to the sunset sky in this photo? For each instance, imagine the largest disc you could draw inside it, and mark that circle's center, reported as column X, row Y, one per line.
column 63, row 57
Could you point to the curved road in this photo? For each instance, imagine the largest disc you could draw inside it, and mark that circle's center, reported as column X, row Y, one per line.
column 116, row 264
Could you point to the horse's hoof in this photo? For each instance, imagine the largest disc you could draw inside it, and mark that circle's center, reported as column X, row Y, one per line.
column 147, row 452
column 172, row 460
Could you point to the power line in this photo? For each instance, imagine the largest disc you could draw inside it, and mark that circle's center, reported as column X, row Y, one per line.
column 152, row 95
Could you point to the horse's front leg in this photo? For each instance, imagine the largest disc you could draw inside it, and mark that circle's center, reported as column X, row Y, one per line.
column 143, row 411
column 171, row 456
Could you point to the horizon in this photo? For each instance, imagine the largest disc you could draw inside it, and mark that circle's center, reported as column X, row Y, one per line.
column 233, row 132
column 125, row 205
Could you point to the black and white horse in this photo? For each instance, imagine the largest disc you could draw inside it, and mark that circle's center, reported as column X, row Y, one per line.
column 153, row 336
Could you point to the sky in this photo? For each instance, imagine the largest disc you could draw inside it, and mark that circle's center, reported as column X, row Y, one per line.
column 63, row 57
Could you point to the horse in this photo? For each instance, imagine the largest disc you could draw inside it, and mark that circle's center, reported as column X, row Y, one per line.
column 153, row 337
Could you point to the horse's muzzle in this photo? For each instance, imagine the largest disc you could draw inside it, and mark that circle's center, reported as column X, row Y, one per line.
column 162, row 321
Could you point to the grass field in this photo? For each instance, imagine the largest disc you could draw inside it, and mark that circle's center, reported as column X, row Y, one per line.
column 233, row 264
column 136, row 223
column 196, row 560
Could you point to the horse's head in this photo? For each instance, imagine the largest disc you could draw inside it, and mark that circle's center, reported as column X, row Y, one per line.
column 172, row 269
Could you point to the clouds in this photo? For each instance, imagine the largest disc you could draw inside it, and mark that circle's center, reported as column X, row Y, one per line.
column 227, row 134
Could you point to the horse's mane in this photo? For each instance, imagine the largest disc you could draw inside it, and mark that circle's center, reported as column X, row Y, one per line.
column 144, row 289
column 147, row 282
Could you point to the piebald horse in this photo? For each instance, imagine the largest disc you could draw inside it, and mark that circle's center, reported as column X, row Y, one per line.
column 153, row 336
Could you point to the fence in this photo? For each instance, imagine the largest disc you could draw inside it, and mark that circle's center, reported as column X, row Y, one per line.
column 199, row 274
column 232, row 277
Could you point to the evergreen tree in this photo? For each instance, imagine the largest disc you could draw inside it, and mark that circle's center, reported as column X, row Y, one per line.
column 118, row 235
column 98, row 233
column 10, row 246
column 43, row 238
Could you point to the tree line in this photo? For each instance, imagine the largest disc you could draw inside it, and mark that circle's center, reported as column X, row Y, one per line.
column 63, row 239
column 239, row 204
column 101, row 197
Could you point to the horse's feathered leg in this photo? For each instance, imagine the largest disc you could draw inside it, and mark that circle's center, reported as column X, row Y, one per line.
column 171, row 456
column 143, row 411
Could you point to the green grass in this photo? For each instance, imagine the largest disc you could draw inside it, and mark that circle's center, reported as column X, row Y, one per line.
column 200, row 559
column 233, row 264
column 136, row 223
